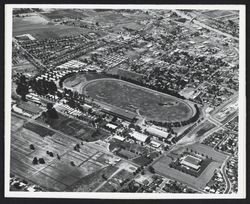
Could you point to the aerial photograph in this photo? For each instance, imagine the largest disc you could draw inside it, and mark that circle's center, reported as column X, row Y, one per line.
column 124, row 100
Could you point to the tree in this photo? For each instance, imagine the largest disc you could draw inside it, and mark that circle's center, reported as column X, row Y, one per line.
column 22, row 87
column 32, row 146
column 104, row 177
column 35, row 161
column 72, row 163
column 51, row 112
column 151, row 169
column 41, row 161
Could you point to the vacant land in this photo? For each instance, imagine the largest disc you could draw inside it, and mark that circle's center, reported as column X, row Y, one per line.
column 16, row 122
column 92, row 181
column 42, row 29
column 205, row 127
column 70, row 127
column 29, row 107
column 149, row 103
column 217, row 13
column 64, row 13
column 40, row 130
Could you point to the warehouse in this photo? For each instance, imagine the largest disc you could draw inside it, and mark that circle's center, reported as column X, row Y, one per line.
column 157, row 132
column 139, row 136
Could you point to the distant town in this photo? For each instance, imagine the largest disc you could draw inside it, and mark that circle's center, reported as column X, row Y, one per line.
column 125, row 100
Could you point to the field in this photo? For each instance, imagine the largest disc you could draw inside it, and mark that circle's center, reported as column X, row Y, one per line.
column 40, row 28
column 205, row 127
column 134, row 148
column 56, row 174
column 26, row 68
column 150, row 104
column 92, row 181
column 70, row 127
column 162, row 166
column 16, row 122
column 217, row 13
column 40, row 130
column 64, row 13
column 29, row 107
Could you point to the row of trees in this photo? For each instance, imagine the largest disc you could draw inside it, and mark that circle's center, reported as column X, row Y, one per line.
column 181, row 123
column 41, row 86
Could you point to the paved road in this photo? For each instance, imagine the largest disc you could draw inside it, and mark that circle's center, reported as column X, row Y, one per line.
column 228, row 184
column 205, row 26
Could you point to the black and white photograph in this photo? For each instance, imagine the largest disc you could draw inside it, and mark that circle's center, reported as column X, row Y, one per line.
column 125, row 101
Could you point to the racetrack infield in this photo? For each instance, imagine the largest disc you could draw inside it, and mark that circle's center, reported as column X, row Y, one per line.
column 146, row 102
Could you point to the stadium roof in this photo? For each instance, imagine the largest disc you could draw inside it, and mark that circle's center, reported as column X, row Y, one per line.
column 120, row 113
column 139, row 136
column 157, row 132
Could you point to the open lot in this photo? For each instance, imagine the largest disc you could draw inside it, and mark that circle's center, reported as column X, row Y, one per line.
column 162, row 166
column 29, row 107
column 217, row 13
column 40, row 130
column 64, row 13
column 74, row 128
column 151, row 104
column 204, row 127
column 92, row 181
column 40, row 28
column 16, row 123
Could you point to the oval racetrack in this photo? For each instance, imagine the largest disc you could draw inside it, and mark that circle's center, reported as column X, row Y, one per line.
column 151, row 104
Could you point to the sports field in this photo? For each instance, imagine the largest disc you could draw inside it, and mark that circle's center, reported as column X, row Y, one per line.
column 146, row 102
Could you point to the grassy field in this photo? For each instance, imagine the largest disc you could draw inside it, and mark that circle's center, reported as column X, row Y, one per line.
column 90, row 182
column 70, row 127
column 42, row 131
column 205, row 127
column 142, row 161
column 42, row 29
column 75, row 128
column 217, row 13
column 29, row 107
column 16, row 123
column 64, row 13
column 133, row 98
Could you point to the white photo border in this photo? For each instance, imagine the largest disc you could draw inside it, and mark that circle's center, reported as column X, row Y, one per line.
column 242, row 106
